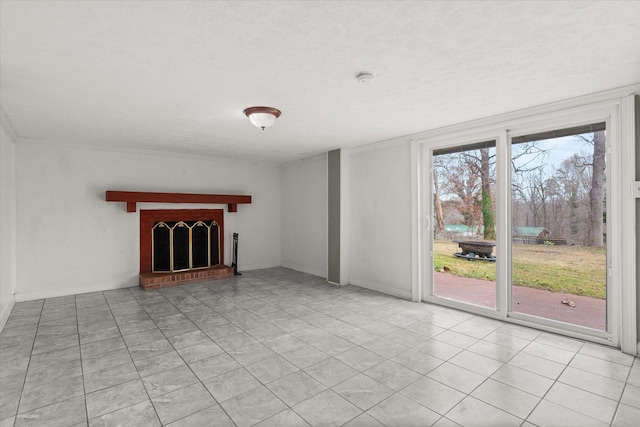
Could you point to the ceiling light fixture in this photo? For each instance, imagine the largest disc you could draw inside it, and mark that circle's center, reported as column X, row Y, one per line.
column 262, row 117
column 365, row 77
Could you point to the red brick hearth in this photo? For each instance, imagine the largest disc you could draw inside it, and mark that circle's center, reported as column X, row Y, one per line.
column 161, row 280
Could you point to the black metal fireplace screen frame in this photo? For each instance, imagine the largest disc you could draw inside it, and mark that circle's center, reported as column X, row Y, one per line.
column 178, row 245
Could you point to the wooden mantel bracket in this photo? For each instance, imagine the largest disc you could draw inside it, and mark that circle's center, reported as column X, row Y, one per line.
column 133, row 197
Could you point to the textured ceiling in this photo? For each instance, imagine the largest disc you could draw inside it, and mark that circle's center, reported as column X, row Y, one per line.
column 176, row 76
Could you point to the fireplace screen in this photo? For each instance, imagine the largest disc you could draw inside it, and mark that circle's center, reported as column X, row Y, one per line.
column 185, row 245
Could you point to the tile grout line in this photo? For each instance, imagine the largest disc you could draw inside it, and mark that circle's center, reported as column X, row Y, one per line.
column 450, row 329
column 618, row 401
column 340, row 309
column 555, row 381
column 302, row 369
column 299, row 369
column 213, row 340
column 84, row 388
column 490, row 376
column 185, row 362
column 626, row 383
column 329, row 388
column 139, row 377
column 24, row 382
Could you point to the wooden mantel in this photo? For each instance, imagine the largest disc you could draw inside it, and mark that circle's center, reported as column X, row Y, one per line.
column 133, row 197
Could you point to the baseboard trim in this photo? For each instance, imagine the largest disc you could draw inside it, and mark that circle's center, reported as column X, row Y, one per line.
column 62, row 292
column 75, row 290
column 243, row 267
column 303, row 269
column 4, row 315
column 379, row 287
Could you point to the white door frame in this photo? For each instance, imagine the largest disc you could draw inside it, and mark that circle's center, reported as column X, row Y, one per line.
column 614, row 107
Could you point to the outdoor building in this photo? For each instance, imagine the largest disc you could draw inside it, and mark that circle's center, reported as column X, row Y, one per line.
column 531, row 234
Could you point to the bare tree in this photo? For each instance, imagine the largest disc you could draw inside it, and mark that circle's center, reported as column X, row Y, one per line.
column 482, row 164
column 596, row 195
column 574, row 178
column 459, row 184
column 527, row 183
column 488, row 219
column 437, row 203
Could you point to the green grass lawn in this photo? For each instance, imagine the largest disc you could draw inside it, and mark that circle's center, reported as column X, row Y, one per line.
column 577, row 270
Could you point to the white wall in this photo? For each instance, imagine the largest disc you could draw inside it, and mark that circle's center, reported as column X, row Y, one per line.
column 379, row 212
column 304, row 215
column 7, row 221
column 70, row 240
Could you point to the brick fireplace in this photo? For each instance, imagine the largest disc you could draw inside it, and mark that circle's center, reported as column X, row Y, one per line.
column 190, row 260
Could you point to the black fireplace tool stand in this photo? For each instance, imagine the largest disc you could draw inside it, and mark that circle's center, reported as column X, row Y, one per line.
column 235, row 255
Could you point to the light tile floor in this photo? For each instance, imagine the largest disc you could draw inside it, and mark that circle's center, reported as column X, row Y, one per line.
column 277, row 347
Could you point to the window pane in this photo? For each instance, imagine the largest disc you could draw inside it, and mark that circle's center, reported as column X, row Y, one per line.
column 559, row 226
column 464, row 251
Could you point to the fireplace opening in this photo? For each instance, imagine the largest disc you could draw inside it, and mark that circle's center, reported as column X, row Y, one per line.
column 185, row 245
column 179, row 246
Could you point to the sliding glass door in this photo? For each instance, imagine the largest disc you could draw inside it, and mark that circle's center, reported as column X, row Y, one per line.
column 559, row 225
column 464, row 215
column 517, row 226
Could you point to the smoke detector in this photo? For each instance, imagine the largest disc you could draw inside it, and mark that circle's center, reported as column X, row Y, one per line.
column 365, row 77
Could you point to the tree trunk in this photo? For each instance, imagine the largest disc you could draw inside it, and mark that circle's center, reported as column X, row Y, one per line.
column 573, row 213
column 438, row 203
column 596, row 194
column 488, row 220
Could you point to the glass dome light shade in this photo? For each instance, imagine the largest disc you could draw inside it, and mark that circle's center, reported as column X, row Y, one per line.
column 262, row 120
column 262, row 117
